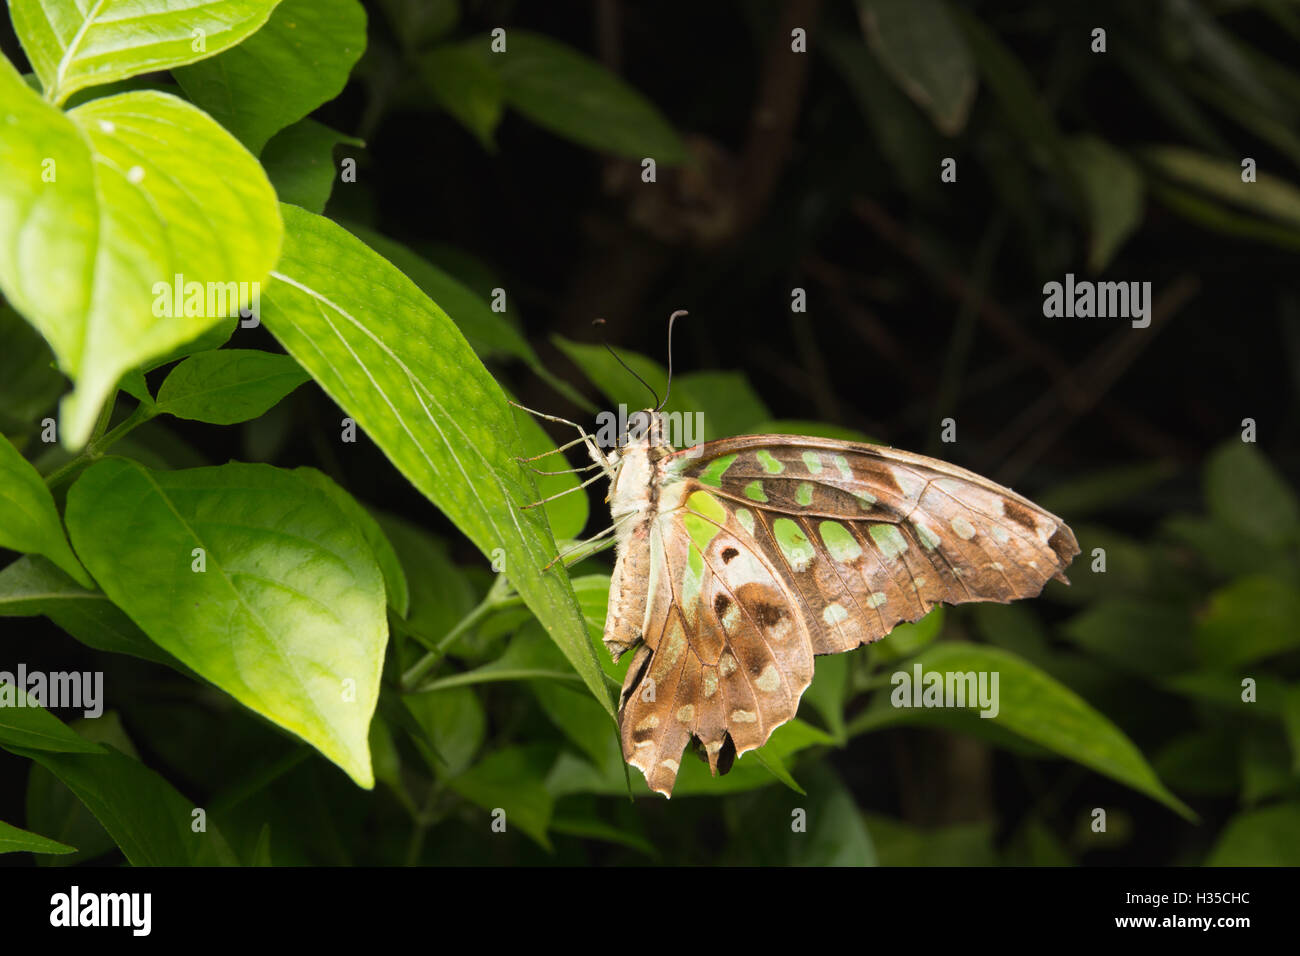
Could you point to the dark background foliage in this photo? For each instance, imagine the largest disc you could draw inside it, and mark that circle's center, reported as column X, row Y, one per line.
column 924, row 301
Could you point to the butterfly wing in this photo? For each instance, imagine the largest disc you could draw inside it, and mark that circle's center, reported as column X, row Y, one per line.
column 767, row 550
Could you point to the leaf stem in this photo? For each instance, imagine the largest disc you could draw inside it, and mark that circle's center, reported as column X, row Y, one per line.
column 498, row 596
column 101, row 442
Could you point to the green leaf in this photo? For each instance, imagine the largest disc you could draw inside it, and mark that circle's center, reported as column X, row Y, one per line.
column 1219, row 218
column 300, row 59
column 829, row 692
column 416, row 22
column 147, row 818
column 14, row 840
column 1112, row 186
column 578, row 716
column 1266, row 768
column 262, row 851
column 1023, row 108
column 1227, row 550
column 490, row 333
column 1013, row 627
column 1269, row 197
column 299, row 160
column 25, row 723
column 746, row 774
column 726, row 399
column 135, row 203
column 530, row 656
column 1034, row 706
column 54, row 809
column 1250, row 619
column 455, row 722
column 909, row 637
column 29, row 521
column 896, row 127
column 1291, row 722
column 1226, row 690
column 1202, row 762
column 73, row 44
column 394, row 361
column 440, row 595
column 394, row 577
column 386, row 759
column 492, row 336
column 32, row 585
column 919, row 45
column 1034, row 844
column 581, row 816
column 1265, row 837
column 1140, row 636
column 1243, row 490
column 962, row 844
column 228, row 385
column 29, row 380
column 837, row 835
column 288, row 615
column 512, row 780
column 1106, row 488
column 576, row 98
column 466, row 86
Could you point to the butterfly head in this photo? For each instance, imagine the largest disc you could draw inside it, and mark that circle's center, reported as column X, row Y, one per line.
column 645, row 429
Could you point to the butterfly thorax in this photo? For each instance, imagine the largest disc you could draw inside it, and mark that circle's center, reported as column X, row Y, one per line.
column 634, row 502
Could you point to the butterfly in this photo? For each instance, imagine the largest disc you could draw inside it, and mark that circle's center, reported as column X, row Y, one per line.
column 740, row 560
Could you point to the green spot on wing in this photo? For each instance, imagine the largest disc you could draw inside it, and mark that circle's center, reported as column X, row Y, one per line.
column 842, row 464
column 864, row 500
column 692, row 578
column 804, row 493
column 700, row 529
column 839, row 541
column 712, row 475
column 834, row 614
column 703, row 503
column 929, row 539
column 793, row 542
column 769, row 463
column 754, row 491
column 746, row 519
column 888, row 539
column 812, row 462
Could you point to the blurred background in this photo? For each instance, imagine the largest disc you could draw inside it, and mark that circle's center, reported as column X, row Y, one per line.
column 1115, row 156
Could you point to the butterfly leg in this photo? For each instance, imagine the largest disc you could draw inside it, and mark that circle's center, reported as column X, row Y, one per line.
column 565, row 471
column 554, row 451
column 583, row 544
column 567, row 491
column 592, row 448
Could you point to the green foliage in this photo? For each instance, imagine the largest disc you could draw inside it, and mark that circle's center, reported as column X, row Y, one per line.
column 279, row 630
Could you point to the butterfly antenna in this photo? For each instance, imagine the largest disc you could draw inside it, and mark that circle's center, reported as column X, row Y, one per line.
column 669, row 390
column 598, row 323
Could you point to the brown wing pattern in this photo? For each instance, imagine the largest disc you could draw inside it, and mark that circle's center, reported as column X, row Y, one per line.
column 768, row 550
column 726, row 656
